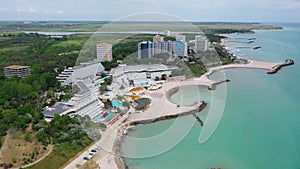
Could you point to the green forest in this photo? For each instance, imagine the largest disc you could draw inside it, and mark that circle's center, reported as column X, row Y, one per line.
column 22, row 99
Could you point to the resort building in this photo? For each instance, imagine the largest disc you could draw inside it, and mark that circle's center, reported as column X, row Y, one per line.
column 159, row 46
column 167, row 33
column 60, row 108
column 84, row 102
column 80, row 72
column 201, row 43
column 138, row 72
column 16, row 70
column 104, row 52
column 141, row 104
column 158, row 38
column 181, row 48
column 145, row 50
column 180, row 38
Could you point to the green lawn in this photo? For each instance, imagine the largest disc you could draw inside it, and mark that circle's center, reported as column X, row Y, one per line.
column 13, row 48
column 59, row 156
column 69, row 43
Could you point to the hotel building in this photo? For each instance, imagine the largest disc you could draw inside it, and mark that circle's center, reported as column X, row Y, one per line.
column 201, row 43
column 80, row 72
column 145, row 49
column 104, row 52
column 16, row 70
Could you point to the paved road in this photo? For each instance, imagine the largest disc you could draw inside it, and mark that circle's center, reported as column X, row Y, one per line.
column 103, row 157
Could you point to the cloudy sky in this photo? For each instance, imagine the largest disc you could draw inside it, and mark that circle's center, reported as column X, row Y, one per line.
column 192, row 10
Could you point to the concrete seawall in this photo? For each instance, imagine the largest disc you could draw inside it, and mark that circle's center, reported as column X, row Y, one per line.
column 276, row 68
column 201, row 106
column 119, row 161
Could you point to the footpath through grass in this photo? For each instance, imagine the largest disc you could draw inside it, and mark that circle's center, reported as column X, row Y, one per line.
column 59, row 156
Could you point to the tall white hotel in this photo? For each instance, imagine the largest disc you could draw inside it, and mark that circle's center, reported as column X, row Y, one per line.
column 104, row 52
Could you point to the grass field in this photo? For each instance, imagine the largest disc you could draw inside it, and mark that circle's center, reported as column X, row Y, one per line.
column 69, row 43
column 14, row 48
column 91, row 164
column 139, row 26
column 59, row 156
column 19, row 152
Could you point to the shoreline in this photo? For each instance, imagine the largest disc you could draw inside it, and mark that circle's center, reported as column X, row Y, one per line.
column 204, row 81
column 117, row 144
column 171, row 88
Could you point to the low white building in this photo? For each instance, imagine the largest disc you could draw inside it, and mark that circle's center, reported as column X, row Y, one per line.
column 138, row 72
column 84, row 102
column 80, row 72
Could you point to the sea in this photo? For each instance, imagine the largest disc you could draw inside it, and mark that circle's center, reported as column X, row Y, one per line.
column 260, row 125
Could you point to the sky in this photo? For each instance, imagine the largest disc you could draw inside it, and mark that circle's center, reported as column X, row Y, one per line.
column 191, row 10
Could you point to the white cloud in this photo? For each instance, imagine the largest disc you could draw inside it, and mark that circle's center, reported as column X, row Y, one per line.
column 53, row 12
column 59, row 12
column 294, row 4
column 26, row 10
column 3, row 9
column 196, row 10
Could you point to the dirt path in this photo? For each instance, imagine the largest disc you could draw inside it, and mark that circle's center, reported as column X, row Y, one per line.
column 49, row 151
column 4, row 143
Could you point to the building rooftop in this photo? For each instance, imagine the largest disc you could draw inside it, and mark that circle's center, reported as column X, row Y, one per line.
column 58, row 108
column 16, row 67
column 140, row 68
column 83, row 88
column 142, row 103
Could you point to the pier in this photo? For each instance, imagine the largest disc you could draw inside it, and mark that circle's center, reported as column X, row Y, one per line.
column 198, row 119
column 234, row 41
column 276, row 68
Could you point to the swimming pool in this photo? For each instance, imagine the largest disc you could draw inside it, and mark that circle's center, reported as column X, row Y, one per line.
column 116, row 103
column 102, row 79
column 141, row 83
column 101, row 118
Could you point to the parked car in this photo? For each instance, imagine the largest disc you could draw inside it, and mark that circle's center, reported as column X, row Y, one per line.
column 93, row 150
column 86, row 158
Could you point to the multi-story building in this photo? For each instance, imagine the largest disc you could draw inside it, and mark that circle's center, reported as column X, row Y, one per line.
column 181, row 48
column 145, row 49
column 104, row 52
column 201, row 43
column 80, row 72
column 139, row 72
column 167, row 32
column 158, row 38
column 16, row 70
column 180, row 37
column 84, row 102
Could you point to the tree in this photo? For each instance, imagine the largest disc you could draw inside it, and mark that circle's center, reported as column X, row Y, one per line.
column 24, row 90
column 42, row 137
column 36, row 85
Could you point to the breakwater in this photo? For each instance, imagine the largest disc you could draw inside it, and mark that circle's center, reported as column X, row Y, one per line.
column 199, row 108
column 276, row 68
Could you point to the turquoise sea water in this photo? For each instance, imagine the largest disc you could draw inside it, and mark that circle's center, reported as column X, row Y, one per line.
column 260, row 128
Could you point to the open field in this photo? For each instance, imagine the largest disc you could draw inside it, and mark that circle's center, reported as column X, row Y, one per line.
column 124, row 26
column 59, row 156
column 13, row 48
column 19, row 152
column 91, row 164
